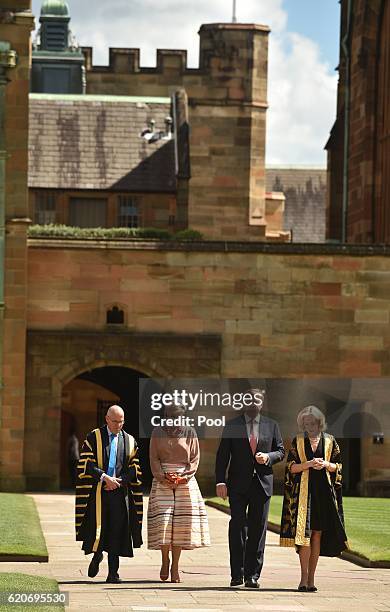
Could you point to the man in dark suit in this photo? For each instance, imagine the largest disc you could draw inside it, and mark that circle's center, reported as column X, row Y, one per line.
column 109, row 495
column 250, row 445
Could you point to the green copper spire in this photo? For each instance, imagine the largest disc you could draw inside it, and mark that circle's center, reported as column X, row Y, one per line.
column 58, row 8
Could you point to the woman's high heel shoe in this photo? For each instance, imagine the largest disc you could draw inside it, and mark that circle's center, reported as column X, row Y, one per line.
column 175, row 578
column 164, row 576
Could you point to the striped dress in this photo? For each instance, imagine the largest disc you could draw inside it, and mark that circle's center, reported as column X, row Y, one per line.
column 176, row 517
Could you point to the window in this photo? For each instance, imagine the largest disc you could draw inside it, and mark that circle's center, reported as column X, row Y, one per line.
column 128, row 212
column 88, row 212
column 55, row 36
column 115, row 316
column 45, row 210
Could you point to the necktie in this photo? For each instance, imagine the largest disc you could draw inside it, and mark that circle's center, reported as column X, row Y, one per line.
column 252, row 438
column 112, row 459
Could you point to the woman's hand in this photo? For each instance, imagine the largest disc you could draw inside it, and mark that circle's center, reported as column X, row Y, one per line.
column 181, row 480
column 319, row 463
column 169, row 483
column 316, row 463
column 175, row 478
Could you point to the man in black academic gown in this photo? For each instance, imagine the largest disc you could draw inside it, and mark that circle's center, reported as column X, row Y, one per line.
column 109, row 495
column 251, row 443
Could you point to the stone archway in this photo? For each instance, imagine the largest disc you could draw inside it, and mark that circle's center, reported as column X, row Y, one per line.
column 85, row 400
column 56, row 357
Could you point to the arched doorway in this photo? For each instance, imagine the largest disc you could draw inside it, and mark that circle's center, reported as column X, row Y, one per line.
column 85, row 400
column 57, row 357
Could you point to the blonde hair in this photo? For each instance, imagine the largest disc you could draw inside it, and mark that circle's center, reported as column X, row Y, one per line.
column 311, row 411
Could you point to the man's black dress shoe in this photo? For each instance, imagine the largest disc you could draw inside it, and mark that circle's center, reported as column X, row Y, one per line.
column 312, row 589
column 236, row 582
column 94, row 565
column 251, row 583
column 113, row 579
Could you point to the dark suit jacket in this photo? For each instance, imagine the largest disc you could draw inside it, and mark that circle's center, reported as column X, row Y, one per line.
column 121, row 469
column 234, row 451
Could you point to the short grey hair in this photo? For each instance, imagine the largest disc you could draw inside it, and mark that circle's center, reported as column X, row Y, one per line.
column 115, row 409
column 311, row 411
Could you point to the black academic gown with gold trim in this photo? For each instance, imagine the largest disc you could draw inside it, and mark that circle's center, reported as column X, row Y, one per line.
column 295, row 527
column 93, row 462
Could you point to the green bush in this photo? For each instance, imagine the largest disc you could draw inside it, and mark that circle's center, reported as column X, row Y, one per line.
column 188, row 234
column 106, row 233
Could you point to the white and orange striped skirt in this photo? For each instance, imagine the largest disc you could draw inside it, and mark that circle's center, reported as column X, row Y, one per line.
column 177, row 517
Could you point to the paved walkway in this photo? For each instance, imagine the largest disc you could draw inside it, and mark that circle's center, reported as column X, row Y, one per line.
column 205, row 575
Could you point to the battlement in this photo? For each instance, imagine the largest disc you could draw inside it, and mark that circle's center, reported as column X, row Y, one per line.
column 231, row 44
column 124, row 60
column 223, row 126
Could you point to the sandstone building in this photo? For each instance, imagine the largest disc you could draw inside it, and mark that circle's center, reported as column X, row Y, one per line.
column 359, row 145
column 82, row 319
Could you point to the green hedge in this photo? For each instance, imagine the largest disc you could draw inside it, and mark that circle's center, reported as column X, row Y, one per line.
column 66, row 231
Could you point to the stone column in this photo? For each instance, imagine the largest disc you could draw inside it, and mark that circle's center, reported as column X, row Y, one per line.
column 16, row 23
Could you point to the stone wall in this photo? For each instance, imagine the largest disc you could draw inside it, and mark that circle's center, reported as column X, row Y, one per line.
column 279, row 311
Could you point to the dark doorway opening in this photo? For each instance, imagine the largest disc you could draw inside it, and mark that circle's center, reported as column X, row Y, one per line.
column 85, row 402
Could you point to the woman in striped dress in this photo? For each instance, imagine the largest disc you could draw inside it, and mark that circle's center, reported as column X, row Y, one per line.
column 177, row 517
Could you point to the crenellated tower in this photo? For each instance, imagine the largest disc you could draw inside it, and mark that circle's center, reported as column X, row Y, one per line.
column 227, row 104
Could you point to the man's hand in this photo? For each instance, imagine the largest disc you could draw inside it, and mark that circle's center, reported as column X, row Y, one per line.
column 262, row 458
column 111, row 483
column 221, row 491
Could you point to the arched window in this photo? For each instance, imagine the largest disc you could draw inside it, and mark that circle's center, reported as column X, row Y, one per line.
column 115, row 316
column 382, row 158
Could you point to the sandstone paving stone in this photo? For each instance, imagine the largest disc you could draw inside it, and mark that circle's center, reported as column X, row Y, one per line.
column 205, row 575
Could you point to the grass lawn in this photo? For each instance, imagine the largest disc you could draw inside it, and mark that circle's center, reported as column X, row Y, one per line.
column 23, row 583
column 20, row 529
column 367, row 523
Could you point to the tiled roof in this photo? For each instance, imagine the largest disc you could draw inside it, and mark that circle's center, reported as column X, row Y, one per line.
column 305, row 207
column 92, row 142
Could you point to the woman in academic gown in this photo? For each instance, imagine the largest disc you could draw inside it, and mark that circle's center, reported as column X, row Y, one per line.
column 312, row 516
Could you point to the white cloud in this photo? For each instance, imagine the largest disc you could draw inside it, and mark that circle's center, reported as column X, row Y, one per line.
column 301, row 90
column 302, row 99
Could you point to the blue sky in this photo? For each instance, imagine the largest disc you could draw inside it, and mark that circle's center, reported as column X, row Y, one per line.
column 319, row 20
column 303, row 54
